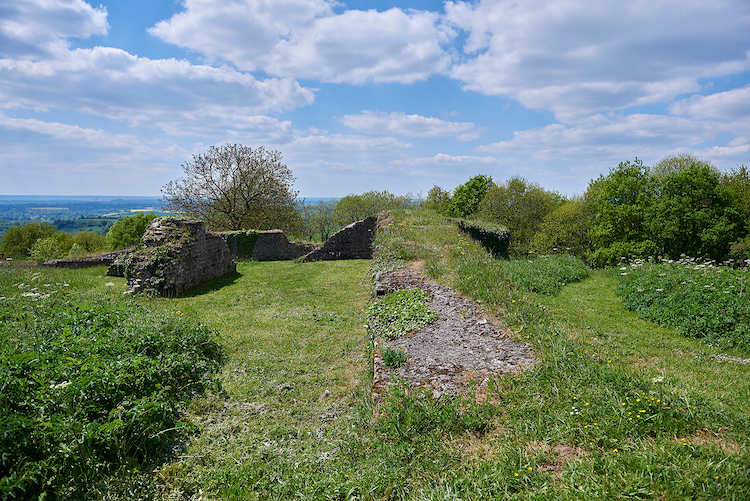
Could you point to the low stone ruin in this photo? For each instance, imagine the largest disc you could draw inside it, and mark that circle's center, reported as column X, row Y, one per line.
column 176, row 255
column 352, row 242
column 268, row 245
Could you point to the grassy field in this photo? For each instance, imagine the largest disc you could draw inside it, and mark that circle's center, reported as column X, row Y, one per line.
column 617, row 407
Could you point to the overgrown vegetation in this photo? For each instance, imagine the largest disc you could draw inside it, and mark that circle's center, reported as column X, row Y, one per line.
column 698, row 299
column 91, row 390
column 400, row 312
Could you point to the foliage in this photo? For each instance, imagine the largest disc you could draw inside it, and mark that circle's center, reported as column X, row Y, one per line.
column 18, row 240
column 45, row 249
column 394, row 357
column 319, row 220
column 493, row 238
column 699, row 300
column 466, row 197
column 737, row 181
column 127, row 232
column 235, row 187
column 89, row 242
column 565, row 229
column 674, row 164
column 620, row 202
column 438, row 200
column 545, row 275
column 520, row 206
column 693, row 215
column 399, row 312
column 88, row 388
column 353, row 208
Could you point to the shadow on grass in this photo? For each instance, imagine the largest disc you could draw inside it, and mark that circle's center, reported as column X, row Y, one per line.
column 212, row 285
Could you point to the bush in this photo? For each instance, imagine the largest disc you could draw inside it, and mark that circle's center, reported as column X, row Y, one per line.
column 466, row 197
column 127, row 232
column 545, row 275
column 18, row 239
column 493, row 238
column 699, row 300
column 45, row 249
column 87, row 388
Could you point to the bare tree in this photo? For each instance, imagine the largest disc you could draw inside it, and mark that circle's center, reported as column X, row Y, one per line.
column 235, row 187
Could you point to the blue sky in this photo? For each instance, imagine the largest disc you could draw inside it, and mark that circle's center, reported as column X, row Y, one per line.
column 112, row 98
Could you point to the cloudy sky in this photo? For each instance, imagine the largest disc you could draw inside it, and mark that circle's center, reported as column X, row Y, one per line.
column 112, row 98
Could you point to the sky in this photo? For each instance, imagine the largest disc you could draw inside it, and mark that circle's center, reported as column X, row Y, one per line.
column 113, row 98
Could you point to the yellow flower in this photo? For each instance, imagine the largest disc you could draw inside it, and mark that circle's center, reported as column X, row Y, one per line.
column 516, row 474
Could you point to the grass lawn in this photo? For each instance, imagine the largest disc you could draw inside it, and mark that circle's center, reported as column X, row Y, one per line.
column 616, row 408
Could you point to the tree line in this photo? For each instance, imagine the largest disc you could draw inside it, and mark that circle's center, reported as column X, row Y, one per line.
column 682, row 205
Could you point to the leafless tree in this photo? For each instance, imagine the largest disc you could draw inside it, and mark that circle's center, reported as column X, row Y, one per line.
column 235, row 187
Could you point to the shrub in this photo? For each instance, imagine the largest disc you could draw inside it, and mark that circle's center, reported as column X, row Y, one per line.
column 466, row 197
column 87, row 388
column 18, row 239
column 45, row 249
column 127, row 232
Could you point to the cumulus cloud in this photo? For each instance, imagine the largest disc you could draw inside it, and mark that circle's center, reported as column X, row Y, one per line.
column 39, row 28
column 579, row 57
column 398, row 122
column 307, row 39
column 730, row 105
column 606, row 137
column 145, row 92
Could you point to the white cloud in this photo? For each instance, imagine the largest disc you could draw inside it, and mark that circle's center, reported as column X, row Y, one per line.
column 579, row 57
column 39, row 28
column 730, row 105
column 345, row 146
column 606, row 137
column 398, row 122
column 306, row 39
column 171, row 94
column 445, row 159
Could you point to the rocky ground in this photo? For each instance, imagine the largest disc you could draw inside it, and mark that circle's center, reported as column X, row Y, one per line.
column 461, row 349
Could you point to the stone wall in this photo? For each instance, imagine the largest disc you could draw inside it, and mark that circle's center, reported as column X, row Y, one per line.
column 273, row 245
column 177, row 255
column 85, row 261
column 353, row 242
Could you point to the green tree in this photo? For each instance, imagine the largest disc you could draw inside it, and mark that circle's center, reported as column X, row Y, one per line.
column 127, row 232
column 235, row 187
column 694, row 214
column 620, row 202
column 466, row 197
column 18, row 239
column 45, row 249
column 89, row 242
column 353, row 208
column 520, row 206
column 565, row 229
column 676, row 163
column 319, row 220
column 438, row 200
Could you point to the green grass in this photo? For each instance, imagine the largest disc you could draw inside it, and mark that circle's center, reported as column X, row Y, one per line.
column 699, row 300
column 616, row 408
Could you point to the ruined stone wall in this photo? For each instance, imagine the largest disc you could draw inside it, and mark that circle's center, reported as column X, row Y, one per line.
column 177, row 255
column 353, row 242
column 85, row 261
column 273, row 245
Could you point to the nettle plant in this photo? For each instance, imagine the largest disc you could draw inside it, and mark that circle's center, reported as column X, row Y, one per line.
column 400, row 312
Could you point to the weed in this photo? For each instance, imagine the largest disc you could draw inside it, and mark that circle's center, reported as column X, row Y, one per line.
column 399, row 313
column 394, row 358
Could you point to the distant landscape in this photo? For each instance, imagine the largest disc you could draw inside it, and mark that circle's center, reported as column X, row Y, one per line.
column 77, row 213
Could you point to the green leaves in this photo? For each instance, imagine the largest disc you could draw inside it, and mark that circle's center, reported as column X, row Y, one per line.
column 88, row 387
column 399, row 313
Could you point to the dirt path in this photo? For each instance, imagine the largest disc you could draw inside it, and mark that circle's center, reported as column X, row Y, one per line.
column 460, row 347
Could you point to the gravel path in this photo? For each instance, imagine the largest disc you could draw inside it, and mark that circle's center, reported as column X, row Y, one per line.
column 461, row 346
